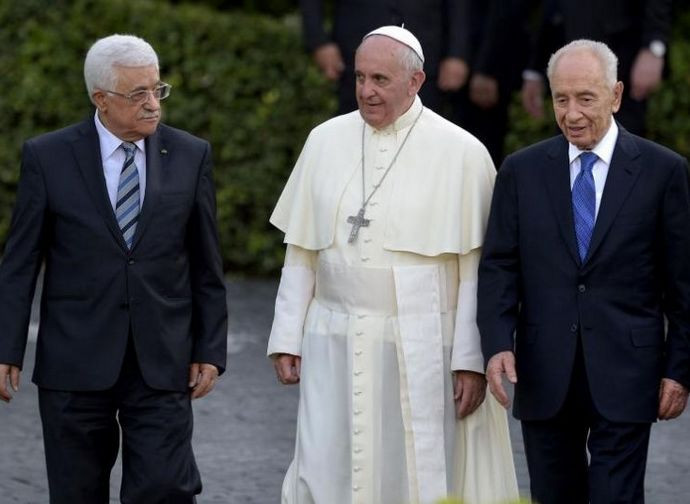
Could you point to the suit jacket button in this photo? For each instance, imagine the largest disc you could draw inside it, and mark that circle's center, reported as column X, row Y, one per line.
column 581, row 288
column 573, row 328
column 130, row 261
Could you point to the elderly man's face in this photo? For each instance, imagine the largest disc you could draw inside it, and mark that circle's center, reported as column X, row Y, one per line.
column 385, row 89
column 583, row 102
column 126, row 120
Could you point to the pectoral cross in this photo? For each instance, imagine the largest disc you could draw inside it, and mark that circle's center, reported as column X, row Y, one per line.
column 357, row 222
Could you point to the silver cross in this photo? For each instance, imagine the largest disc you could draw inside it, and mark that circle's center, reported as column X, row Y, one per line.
column 357, row 222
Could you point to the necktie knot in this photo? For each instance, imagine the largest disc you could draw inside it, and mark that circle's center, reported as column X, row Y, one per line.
column 587, row 160
column 129, row 148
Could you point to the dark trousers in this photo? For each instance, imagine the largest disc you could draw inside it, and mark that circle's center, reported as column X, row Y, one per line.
column 556, row 451
column 81, row 433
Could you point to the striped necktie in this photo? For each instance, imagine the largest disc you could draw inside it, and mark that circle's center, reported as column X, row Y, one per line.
column 584, row 202
column 127, row 207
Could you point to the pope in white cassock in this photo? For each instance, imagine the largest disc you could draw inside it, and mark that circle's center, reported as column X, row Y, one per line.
column 384, row 216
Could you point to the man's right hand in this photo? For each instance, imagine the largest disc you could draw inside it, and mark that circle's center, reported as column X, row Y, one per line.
column 329, row 60
column 503, row 363
column 287, row 368
column 9, row 375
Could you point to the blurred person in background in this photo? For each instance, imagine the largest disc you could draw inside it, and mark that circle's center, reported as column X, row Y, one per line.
column 637, row 31
column 474, row 53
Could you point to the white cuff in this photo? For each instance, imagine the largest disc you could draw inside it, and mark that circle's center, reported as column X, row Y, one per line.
column 532, row 75
column 467, row 350
column 295, row 293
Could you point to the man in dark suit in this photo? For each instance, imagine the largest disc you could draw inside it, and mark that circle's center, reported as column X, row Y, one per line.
column 133, row 322
column 585, row 256
column 637, row 31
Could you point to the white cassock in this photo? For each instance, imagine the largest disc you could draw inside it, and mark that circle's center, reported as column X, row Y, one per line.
column 380, row 323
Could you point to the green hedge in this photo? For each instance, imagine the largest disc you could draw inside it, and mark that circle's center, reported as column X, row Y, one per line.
column 240, row 80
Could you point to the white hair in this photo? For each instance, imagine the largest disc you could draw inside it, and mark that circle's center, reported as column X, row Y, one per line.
column 608, row 60
column 405, row 55
column 115, row 50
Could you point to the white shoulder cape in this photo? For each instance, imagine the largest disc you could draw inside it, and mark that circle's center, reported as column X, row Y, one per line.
column 440, row 201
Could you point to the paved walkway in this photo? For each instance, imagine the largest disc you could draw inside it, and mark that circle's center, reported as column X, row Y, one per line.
column 244, row 431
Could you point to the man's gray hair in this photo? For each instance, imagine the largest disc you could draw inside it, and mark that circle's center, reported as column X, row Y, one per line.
column 608, row 60
column 109, row 52
column 409, row 59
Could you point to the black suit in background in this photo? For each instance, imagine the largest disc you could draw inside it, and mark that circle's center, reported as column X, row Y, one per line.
column 496, row 48
column 484, row 34
column 438, row 24
column 118, row 328
column 626, row 26
column 588, row 337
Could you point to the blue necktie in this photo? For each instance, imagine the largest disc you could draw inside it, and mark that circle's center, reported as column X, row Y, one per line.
column 584, row 201
column 127, row 207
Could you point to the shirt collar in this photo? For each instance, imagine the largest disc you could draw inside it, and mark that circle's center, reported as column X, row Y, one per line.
column 604, row 149
column 405, row 120
column 109, row 142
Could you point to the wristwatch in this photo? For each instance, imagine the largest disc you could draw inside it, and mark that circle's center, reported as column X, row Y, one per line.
column 657, row 48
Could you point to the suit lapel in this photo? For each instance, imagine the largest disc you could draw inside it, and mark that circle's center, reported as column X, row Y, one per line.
column 155, row 155
column 557, row 177
column 623, row 173
column 87, row 153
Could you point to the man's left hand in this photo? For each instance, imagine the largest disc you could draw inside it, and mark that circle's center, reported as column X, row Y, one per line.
column 469, row 392
column 202, row 379
column 672, row 399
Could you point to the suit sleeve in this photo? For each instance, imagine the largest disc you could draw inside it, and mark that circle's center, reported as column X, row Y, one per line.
column 313, row 24
column 499, row 268
column 657, row 21
column 209, row 320
column 457, row 17
column 676, row 233
column 22, row 260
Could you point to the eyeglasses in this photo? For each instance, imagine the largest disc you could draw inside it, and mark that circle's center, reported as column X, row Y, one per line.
column 160, row 92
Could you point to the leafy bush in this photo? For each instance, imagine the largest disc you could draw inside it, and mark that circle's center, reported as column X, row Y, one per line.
column 241, row 81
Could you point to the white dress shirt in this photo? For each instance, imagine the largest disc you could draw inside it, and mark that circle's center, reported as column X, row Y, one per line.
column 600, row 170
column 113, row 157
